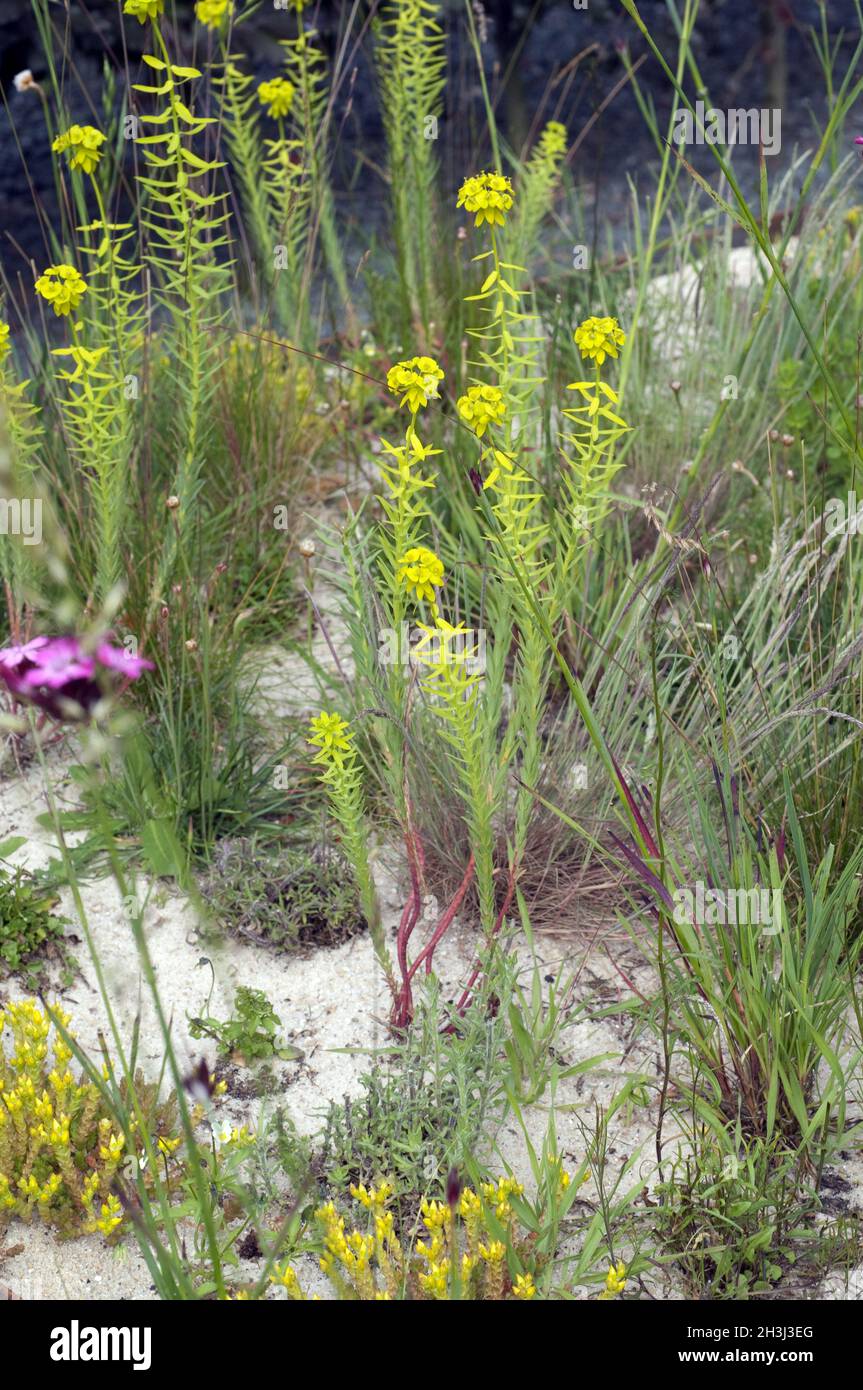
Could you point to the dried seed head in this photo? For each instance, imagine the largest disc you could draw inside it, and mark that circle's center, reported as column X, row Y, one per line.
column 306, row 548
column 25, row 81
column 191, row 645
column 172, row 503
column 787, row 440
column 675, row 385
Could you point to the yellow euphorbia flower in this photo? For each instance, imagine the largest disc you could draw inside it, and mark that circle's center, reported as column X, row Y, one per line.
column 329, row 733
column 84, row 144
column 440, row 647
column 239, row 1135
column 416, row 381
column 523, row 1286
column 480, row 407
column 277, row 95
column 553, row 139
column 212, row 13
column 4, row 340
column 599, row 338
column 142, row 10
column 421, row 572
column 489, row 196
column 63, row 287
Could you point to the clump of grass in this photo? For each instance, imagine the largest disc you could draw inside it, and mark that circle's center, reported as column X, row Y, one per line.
column 300, row 897
column 424, row 1106
column 736, row 1217
column 30, row 933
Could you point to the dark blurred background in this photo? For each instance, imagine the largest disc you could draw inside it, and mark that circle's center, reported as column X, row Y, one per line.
column 543, row 60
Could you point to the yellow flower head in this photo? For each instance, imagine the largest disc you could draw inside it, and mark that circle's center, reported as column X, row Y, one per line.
column 445, row 646
column 287, row 1277
column 523, row 1286
column 375, row 1197
column 435, row 1215
column 277, row 95
column 487, row 195
column 63, row 288
column 615, row 1280
column 142, row 10
column 4, row 340
column 330, row 733
column 84, row 145
column 480, row 407
column 212, row 13
column 599, row 338
column 421, row 572
column 240, row 1135
column 553, row 139
column 416, row 381
column 494, row 1252
column 111, row 1150
column 112, row 1215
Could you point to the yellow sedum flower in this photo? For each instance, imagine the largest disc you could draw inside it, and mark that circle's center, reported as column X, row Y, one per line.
column 112, row 1215
column 5, row 345
column 374, row 1198
column 278, row 96
column 421, row 572
column 84, row 144
column 63, row 287
column 480, row 407
column 287, row 1279
column 111, row 1150
column 212, row 13
column 598, row 338
column 330, row 734
column 435, row 1215
column 416, row 381
column 142, row 10
column 523, row 1287
column 615, row 1280
column 489, row 196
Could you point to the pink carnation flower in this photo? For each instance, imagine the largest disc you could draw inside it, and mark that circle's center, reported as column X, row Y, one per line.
column 118, row 659
column 61, row 678
column 58, row 663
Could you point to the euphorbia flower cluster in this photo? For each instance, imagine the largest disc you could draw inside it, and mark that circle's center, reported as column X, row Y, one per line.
column 62, row 677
